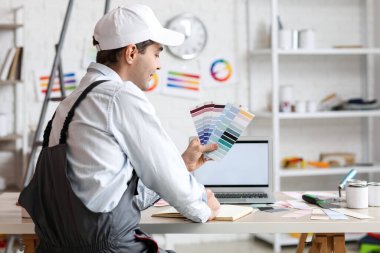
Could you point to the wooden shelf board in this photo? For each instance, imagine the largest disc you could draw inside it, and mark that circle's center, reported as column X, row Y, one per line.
column 11, row 137
column 6, row 82
column 10, row 26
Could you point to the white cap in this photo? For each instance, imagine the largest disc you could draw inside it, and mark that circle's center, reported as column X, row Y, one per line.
column 130, row 25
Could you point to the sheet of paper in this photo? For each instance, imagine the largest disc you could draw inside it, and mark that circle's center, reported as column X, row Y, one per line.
column 298, row 204
column 294, row 215
column 317, row 211
column 282, row 204
column 275, row 210
column 295, row 195
column 335, row 215
column 304, row 211
column 318, row 214
column 351, row 213
column 319, row 217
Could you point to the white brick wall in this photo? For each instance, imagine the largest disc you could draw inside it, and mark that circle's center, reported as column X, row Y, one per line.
column 335, row 22
column 43, row 22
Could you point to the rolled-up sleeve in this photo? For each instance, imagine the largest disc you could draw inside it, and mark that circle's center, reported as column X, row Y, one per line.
column 153, row 155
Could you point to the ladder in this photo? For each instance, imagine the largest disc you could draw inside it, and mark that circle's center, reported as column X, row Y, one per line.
column 57, row 66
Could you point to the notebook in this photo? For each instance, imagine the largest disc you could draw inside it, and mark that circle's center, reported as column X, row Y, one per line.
column 244, row 175
column 226, row 212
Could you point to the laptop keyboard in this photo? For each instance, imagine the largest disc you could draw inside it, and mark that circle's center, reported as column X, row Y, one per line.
column 237, row 195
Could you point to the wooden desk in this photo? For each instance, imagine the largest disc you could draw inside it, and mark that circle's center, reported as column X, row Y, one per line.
column 259, row 222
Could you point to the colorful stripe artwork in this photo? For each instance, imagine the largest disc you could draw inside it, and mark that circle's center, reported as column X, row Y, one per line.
column 221, row 124
column 69, row 83
column 184, row 81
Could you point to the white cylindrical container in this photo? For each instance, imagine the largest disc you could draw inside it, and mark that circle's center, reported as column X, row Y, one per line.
column 357, row 195
column 285, row 39
column 300, row 106
column 311, row 106
column 295, row 39
column 307, row 39
column 286, row 98
column 374, row 194
column 3, row 125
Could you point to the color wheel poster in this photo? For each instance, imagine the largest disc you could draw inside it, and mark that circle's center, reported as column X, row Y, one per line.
column 218, row 71
column 182, row 82
column 156, row 82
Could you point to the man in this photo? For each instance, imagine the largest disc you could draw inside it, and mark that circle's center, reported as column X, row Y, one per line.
column 116, row 149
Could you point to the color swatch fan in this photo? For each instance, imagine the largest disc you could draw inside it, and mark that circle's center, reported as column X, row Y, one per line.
column 221, row 124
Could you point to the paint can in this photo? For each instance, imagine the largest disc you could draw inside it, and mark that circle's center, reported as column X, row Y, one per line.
column 374, row 194
column 357, row 194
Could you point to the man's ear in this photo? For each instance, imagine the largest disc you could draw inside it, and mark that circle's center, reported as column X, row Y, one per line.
column 130, row 53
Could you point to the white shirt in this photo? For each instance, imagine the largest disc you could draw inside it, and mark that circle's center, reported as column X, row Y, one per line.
column 115, row 130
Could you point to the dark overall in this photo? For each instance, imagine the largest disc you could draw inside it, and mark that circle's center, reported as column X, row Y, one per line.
column 63, row 223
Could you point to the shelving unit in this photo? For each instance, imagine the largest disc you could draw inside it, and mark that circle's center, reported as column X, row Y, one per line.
column 266, row 57
column 277, row 57
column 16, row 141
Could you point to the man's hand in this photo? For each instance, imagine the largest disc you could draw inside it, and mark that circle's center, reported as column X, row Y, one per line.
column 193, row 155
column 213, row 204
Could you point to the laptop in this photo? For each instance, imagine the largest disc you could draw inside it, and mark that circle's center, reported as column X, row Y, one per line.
column 244, row 175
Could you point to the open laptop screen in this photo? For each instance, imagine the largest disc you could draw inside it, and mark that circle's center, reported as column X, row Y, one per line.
column 245, row 165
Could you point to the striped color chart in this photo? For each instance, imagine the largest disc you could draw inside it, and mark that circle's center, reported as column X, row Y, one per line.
column 205, row 117
column 69, row 83
column 215, row 118
column 228, row 129
column 221, row 124
column 184, row 81
column 197, row 115
column 202, row 119
column 206, row 122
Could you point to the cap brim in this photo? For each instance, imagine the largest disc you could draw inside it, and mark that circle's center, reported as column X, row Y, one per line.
column 169, row 37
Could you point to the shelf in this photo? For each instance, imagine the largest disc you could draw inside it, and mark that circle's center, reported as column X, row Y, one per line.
column 320, row 51
column 10, row 26
column 11, row 137
column 6, row 82
column 328, row 171
column 320, row 115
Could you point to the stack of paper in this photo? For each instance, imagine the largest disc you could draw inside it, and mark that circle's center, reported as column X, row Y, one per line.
column 221, row 124
column 226, row 212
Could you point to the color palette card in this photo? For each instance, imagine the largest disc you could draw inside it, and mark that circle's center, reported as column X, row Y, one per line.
column 221, row 124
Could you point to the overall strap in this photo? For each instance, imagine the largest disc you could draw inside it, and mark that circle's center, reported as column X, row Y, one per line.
column 47, row 131
column 70, row 114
